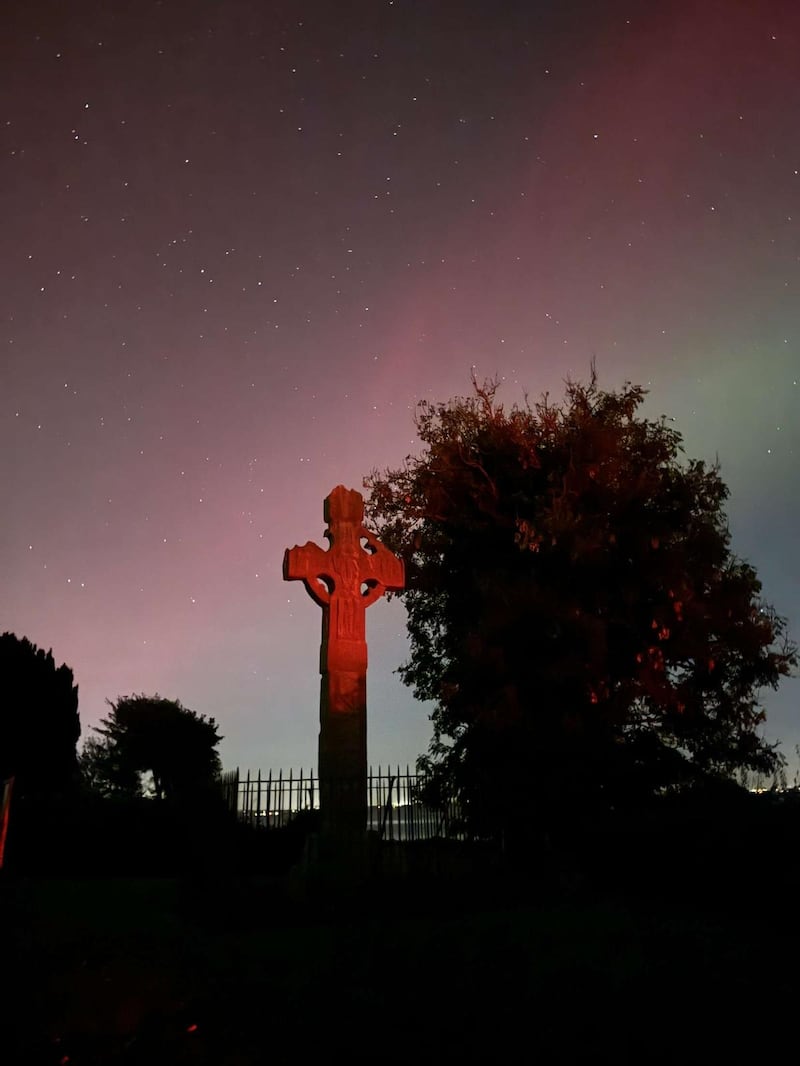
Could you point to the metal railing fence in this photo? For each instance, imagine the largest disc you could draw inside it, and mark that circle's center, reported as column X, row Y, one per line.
column 396, row 807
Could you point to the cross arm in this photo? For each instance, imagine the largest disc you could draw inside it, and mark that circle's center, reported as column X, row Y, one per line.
column 311, row 565
column 386, row 570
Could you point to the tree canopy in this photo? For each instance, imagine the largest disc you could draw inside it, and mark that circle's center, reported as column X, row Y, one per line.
column 39, row 723
column 575, row 611
column 151, row 735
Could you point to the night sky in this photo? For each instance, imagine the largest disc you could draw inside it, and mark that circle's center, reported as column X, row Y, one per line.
column 241, row 240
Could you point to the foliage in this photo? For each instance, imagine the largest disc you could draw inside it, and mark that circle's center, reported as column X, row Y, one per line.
column 151, row 735
column 39, row 723
column 574, row 608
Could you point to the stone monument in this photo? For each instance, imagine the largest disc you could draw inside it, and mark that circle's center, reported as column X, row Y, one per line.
column 344, row 580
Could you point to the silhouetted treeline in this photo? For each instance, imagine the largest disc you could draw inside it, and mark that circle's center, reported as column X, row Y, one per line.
column 148, row 744
column 39, row 723
column 577, row 616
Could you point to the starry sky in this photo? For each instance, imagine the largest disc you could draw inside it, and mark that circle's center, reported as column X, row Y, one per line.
column 240, row 240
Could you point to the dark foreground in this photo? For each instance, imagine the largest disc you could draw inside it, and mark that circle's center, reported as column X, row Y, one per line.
column 691, row 961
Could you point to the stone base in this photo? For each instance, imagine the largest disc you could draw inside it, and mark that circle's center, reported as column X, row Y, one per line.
column 336, row 867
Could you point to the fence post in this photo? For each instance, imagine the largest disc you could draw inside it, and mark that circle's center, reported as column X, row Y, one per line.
column 386, row 809
column 411, row 814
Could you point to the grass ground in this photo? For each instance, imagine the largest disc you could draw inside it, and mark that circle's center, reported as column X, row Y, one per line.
column 236, row 971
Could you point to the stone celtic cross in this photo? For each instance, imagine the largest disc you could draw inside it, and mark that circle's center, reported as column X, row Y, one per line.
column 344, row 580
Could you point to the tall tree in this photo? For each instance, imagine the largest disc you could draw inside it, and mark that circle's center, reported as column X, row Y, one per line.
column 152, row 735
column 39, row 723
column 575, row 611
